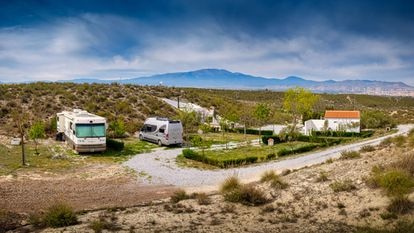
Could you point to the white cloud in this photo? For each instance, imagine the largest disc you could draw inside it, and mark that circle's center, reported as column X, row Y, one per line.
column 105, row 46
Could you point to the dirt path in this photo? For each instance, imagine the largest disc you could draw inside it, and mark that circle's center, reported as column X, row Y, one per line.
column 160, row 167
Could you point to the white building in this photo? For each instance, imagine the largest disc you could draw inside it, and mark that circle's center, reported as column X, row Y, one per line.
column 334, row 120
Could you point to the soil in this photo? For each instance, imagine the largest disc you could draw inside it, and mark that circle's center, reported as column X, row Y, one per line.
column 307, row 205
column 92, row 187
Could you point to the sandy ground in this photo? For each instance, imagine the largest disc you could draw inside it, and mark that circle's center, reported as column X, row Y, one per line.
column 305, row 206
column 91, row 187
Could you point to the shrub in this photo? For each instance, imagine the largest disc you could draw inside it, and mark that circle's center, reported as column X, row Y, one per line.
column 322, row 177
column 203, row 199
column 399, row 140
column 250, row 195
column 230, row 184
column 386, row 142
column 179, row 195
column 376, row 119
column 114, row 144
column 342, row 186
column 275, row 181
column 367, row 148
column 60, row 215
column 350, row 155
column 405, row 164
column 395, row 182
column 400, row 205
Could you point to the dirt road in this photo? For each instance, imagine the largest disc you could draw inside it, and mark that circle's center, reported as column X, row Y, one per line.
column 160, row 166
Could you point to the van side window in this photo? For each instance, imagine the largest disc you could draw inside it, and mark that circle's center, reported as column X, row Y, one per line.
column 147, row 128
column 153, row 128
column 162, row 129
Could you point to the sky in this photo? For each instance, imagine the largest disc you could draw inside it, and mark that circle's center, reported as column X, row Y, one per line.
column 314, row 39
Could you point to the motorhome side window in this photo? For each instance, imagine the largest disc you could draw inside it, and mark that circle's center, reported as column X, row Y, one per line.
column 162, row 129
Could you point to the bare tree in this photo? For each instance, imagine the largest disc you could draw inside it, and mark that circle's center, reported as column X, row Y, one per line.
column 20, row 119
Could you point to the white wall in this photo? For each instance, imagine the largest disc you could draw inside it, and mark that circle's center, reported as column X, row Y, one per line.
column 334, row 124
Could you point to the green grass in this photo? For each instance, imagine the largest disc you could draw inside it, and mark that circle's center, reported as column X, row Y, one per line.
column 132, row 147
column 247, row 154
column 10, row 157
column 11, row 160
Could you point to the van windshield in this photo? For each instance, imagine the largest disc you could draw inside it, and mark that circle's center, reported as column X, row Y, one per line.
column 90, row 130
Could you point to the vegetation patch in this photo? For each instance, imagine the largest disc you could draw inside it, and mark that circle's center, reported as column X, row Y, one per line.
column 342, row 186
column 350, row 155
column 247, row 154
column 60, row 215
column 367, row 148
column 275, row 181
column 400, row 205
column 179, row 195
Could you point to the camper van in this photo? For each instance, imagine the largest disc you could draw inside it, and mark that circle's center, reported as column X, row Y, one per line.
column 162, row 131
column 83, row 131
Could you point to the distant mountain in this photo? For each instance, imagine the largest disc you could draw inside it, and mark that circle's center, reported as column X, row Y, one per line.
column 218, row 78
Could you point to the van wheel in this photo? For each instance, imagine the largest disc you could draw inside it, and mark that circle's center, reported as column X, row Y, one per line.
column 159, row 143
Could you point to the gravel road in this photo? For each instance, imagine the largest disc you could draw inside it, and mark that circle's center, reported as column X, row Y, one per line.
column 159, row 167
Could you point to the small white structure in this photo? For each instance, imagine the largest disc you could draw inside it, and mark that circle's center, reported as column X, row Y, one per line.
column 162, row 131
column 85, row 132
column 204, row 113
column 347, row 121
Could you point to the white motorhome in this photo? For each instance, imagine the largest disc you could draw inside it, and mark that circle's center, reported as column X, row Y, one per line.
column 83, row 131
column 162, row 131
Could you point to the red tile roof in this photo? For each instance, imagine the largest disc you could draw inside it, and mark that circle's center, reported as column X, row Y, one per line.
column 342, row 114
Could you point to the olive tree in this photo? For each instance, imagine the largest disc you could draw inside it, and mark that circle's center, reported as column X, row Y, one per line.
column 37, row 131
column 298, row 102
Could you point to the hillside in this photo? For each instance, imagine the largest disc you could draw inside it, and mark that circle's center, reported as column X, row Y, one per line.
column 134, row 103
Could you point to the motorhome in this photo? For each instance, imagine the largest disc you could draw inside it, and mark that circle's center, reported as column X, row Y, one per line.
column 162, row 131
column 83, row 131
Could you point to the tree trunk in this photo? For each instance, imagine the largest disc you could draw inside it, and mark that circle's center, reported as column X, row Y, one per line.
column 23, row 154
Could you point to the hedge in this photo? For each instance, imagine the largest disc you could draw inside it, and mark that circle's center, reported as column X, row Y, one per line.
column 363, row 134
column 298, row 150
column 114, row 144
column 256, row 131
column 194, row 155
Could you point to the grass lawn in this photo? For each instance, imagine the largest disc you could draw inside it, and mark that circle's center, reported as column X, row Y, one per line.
column 218, row 138
column 10, row 157
column 246, row 154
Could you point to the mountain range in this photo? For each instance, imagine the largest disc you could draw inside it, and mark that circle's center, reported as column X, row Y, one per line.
column 223, row 79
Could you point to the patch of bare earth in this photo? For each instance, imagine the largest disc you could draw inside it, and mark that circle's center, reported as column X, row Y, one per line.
column 309, row 204
column 90, row 187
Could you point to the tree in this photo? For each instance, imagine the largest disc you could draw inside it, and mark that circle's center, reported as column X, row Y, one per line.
column 37, row 131
column 20, row 119
column 190, row 121
column 246, row 118
column 299, row 101
column 229, row 116
column 118, row 128
column 262, row 113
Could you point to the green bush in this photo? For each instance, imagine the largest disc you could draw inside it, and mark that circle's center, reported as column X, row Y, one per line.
column 115, row 145
column 179, row 195
column 342, row 186
column 395, row 182
column 363, row 134
column 350, row 155
column 230, row 184
column 367, row 148
column 60, row 215
column 376, row 120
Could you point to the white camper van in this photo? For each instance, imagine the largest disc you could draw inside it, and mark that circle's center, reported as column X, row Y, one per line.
column 85, row 132
column 162, row 131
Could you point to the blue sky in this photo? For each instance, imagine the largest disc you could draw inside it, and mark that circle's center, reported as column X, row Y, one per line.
column 319, row 40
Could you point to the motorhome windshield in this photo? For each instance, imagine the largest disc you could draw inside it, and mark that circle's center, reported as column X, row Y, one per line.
column 90, row 130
